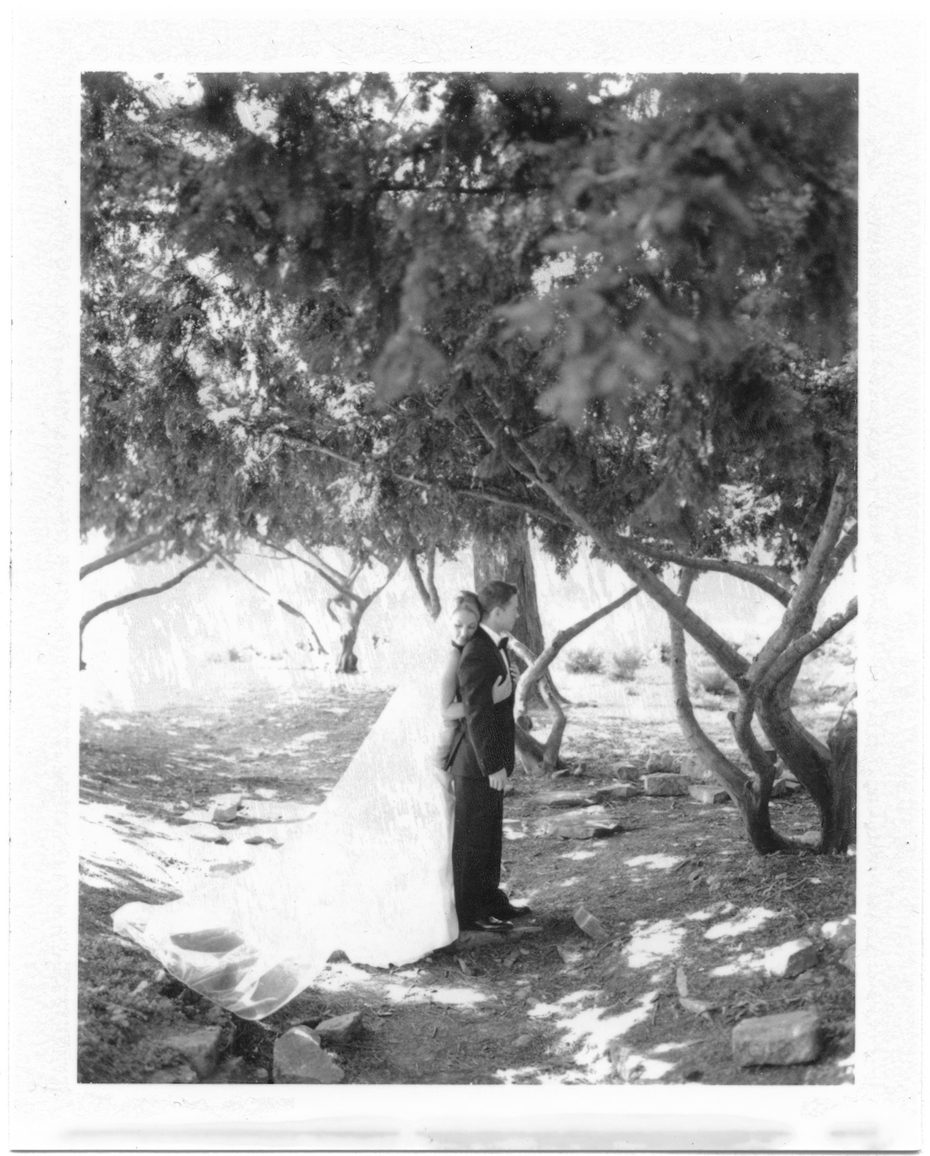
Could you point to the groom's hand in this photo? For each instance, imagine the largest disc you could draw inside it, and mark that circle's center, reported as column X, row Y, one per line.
column 498, row 780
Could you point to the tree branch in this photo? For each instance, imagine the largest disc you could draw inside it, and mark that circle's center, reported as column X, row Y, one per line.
column 146, row 592
column 123, row 552
column 805, row 645
column 285, row 606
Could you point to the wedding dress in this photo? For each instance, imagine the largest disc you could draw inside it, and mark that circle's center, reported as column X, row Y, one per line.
column 370, row 874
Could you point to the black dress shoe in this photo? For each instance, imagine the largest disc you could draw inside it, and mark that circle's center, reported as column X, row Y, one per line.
column 512, row 912
column 487, row 923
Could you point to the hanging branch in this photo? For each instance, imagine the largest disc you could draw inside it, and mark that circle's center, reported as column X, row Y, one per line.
column 147, row 592
column 285, row 606
column 123, row 552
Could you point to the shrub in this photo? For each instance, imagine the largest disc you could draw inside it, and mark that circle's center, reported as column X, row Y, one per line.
column 589, row 661
column 708, row 678
column 626, row 664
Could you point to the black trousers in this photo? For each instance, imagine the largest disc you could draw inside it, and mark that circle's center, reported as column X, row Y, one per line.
column 477, row 841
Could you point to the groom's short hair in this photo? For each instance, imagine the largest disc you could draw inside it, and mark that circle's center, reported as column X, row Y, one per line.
column 495, row 593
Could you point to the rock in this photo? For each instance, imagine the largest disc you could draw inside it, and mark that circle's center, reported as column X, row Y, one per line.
column 589, row 924
column 563, row 799
column 694, row 768
column 703, row 793
column 664, row 783
column 790, row 959
column 808, row 839
column 789, row 1038
column 523, row 1041
column 178, row 1074
column 587, row 823
column 615, row 791
column 232, row 1070
column 340, row 1029
column 848, row 959
column 299, row 1059
column 662, row 762
column 261, row 1074
column 841, row 932
column 201, row 1049
column 227, row 812
column 627, row 772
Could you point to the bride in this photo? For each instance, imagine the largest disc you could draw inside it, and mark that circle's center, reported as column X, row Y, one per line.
column 370, row 874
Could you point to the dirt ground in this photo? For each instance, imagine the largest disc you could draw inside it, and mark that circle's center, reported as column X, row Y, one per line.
column 686, row 906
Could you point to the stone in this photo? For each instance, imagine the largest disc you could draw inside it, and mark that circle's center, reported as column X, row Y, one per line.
column 200, row 1048
column 299, row 1059
column 664, row 762
column 589, row 924
column 563, row 799
column 522, row 1041
column 703, row 793
column 340, row 1029
column 178, row 1074
column 627, row 772
column 694, row 768
column 615, row 791
column 664, row 783
column 848, row 959
column 226, row 814
column 788, row 1038
column 586, row 823
column 840, row 932
column 791, row 958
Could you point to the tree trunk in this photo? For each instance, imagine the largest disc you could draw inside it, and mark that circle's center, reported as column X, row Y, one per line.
column 348, row 613
column 506, row 556
column 751, row 799
column 842, row 741
column 426, row 586
column 534, row 757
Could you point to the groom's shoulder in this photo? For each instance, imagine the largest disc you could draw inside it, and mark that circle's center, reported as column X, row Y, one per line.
column 479, row 643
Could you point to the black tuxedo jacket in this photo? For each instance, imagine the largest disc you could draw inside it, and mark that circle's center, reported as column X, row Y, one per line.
column 488, row 743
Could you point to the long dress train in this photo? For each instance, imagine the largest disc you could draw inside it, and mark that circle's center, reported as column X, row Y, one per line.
column 370, row 874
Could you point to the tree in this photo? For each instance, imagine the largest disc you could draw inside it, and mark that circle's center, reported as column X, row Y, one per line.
column 623, row 309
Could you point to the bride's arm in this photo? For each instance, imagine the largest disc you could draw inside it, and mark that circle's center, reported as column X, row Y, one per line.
column 449, row 708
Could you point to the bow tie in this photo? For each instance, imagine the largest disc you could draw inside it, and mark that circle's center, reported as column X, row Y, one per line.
column 502, row 645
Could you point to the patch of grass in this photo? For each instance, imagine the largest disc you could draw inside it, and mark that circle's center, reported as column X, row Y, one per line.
column 584, row 661
column 626, row 663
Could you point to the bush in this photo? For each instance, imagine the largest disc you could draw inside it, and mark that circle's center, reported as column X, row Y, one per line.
column 626, row 664
column 588, row 661
column 708, row 678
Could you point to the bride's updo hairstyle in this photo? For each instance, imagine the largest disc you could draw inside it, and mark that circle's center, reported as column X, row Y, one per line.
column 466, row 600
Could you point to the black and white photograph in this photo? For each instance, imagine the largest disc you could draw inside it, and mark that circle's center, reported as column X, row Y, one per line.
column 447, row 488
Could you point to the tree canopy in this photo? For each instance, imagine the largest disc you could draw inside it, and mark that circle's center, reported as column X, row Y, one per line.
column 623, row 306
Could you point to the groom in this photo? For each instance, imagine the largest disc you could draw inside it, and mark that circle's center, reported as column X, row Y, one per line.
column 481, row 767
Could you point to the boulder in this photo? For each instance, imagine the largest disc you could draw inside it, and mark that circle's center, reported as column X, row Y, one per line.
column 704, row 793
column 694, row 768
column 200, row 1048
column 662, row 762
column 299, row 1059
column 340, row 1029
column 788, row 1038
column 791, row 958
column 627, row 772
column 664, row 783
